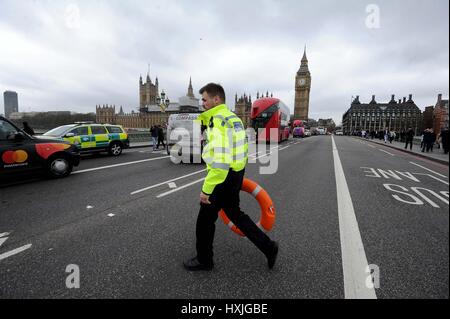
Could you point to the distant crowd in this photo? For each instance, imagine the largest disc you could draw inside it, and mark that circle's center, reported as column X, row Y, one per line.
column 429, row 140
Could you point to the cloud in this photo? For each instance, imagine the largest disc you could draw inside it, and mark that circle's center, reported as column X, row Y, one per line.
column 76, row 54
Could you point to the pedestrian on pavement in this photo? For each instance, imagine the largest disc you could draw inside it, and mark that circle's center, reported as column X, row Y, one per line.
column 225, row 155
column 160, row 137
column 391, row 136
column 154, row 132
column 426, row 140
column 409, row 138
column 432, row 139
column 386, row 135
column 27, row 129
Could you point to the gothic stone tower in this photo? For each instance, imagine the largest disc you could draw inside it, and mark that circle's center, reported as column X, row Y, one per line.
column 302, row 90
column 242, row 108
column 148, row 92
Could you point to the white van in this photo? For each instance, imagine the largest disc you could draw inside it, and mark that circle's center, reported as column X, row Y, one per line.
column 184, row 138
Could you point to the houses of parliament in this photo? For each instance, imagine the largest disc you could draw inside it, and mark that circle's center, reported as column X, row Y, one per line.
column 153, row 112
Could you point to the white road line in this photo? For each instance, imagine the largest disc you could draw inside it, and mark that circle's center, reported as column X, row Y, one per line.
column 386, row 152
column 265, row 154
column 371, row 146
column 2, row 240
column 354, row 260
column 14, row 252
column 180, row 188
column 433, row 177
column 4, row 234
column 429, row 170
column 254, row 155
column 284, row 148
column 165, row 182
column 121, row 164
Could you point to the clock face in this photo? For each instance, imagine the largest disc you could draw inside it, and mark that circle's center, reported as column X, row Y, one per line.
column 301, row 82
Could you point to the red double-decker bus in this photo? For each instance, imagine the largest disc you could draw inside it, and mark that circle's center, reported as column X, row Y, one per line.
column 270, row 113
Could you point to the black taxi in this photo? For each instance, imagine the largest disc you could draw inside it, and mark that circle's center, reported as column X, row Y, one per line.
column 21, row 154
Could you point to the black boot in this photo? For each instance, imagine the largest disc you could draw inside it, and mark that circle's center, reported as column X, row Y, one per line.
column 194, row 265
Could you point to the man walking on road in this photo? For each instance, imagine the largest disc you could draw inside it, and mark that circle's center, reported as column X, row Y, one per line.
column 160, row 136
column 225, row 155
column 154, row 132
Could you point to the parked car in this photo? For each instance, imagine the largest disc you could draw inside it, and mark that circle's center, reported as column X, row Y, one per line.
column 298, row 131
column 89, row 137
column 22, row 154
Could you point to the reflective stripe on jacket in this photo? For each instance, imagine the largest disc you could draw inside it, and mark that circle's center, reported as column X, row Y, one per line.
column 226, row 146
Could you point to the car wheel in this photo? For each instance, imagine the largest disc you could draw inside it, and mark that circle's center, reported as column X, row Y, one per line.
column 59, row 166
column 115, row 149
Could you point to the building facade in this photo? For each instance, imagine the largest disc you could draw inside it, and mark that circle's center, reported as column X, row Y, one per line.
column 427, row 117
column 11, row 102
column 150, row 113
column 302, row 90
column 374, row 116
column 440, row 115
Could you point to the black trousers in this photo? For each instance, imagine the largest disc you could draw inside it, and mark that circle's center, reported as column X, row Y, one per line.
column 160, row 140
column 226, row 197
column 410, row 142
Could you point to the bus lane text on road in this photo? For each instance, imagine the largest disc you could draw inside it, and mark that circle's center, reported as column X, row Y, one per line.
column 412, row 195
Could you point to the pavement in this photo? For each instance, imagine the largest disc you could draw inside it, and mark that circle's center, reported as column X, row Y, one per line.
column 140, row 144
column 436, row 155
column 345, row 208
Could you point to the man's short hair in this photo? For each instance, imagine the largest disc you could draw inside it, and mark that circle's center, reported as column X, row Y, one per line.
column 214, row 89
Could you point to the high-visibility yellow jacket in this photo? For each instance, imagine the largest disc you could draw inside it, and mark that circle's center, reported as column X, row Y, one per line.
column 226, row 146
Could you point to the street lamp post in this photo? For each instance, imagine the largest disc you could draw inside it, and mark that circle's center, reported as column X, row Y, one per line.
column 162, row 101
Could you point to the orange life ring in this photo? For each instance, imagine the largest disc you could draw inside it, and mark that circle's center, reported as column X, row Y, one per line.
column 267, row 219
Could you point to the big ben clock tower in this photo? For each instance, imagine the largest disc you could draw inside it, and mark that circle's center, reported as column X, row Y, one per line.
column 302, row 90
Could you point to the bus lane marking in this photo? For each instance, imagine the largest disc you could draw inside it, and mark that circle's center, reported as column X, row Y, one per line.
column 409, row 195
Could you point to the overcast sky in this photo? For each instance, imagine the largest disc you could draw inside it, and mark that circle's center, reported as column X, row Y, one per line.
column 72, row 55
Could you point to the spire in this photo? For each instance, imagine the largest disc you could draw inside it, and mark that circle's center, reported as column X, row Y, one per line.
column 140, row 79
column 304, row 55
column 304, row 64
column 190, row 92
column 148, row 74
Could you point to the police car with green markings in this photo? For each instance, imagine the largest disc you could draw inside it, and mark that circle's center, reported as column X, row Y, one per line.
column 90, row 137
